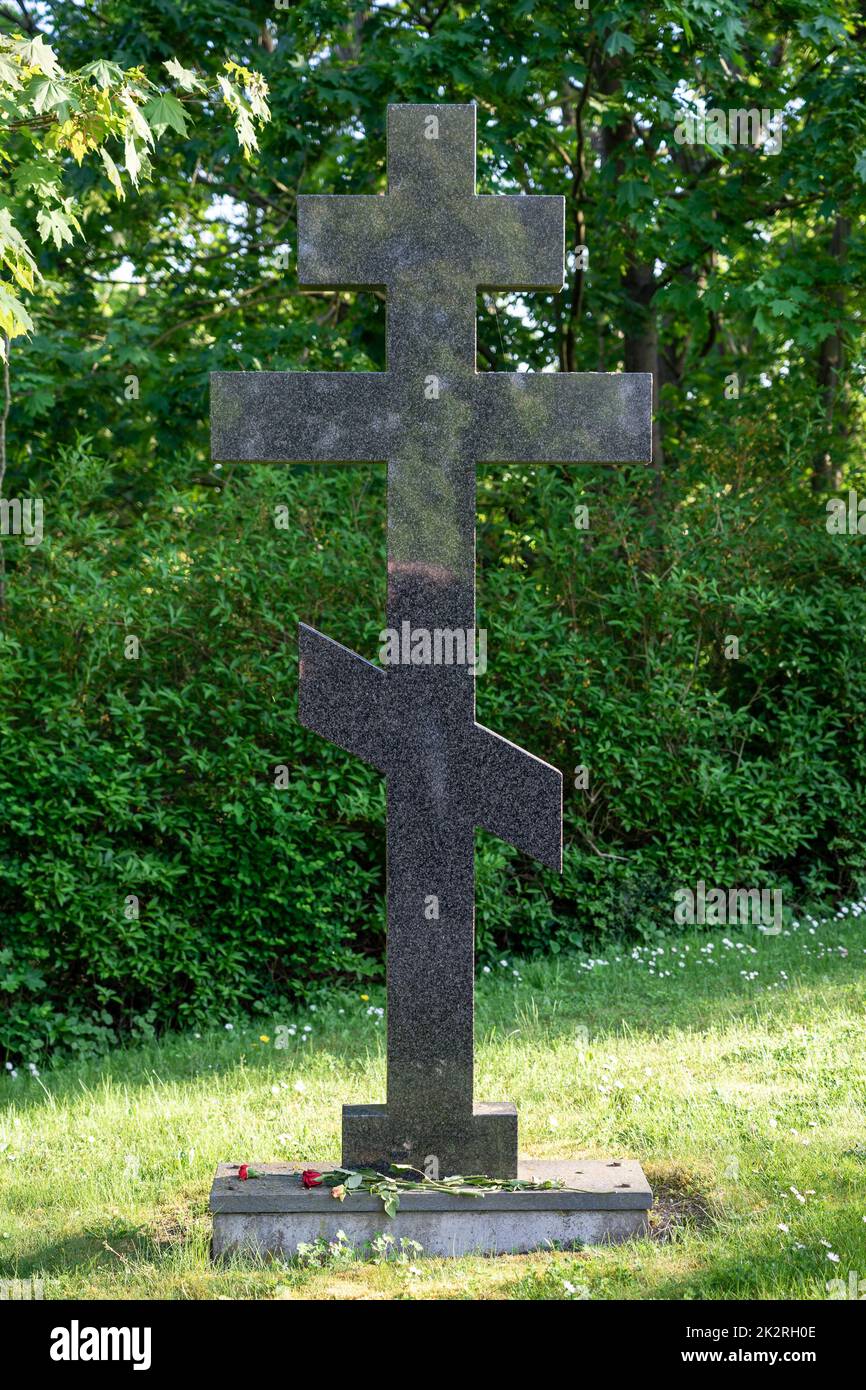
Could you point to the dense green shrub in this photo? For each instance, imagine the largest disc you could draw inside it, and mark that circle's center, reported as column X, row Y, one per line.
column 154, row 777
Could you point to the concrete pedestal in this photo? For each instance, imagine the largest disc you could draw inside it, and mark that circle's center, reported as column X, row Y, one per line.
column 603, row 1201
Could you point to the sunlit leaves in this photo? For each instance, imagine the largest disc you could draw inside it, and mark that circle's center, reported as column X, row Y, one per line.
column 113, row 173
column 132, row 158
column 137, row 125
column 184, row 77
column 46, row 93
column 241, row 114
column 15, row 254
column 17, row 261
column 58, row 223
column 103, row 73
column 74, row 114
column 37, row 55
column 246, row 106
column 14, row 318
column 9, row 73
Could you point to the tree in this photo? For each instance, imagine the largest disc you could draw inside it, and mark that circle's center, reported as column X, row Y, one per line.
column 48, row 117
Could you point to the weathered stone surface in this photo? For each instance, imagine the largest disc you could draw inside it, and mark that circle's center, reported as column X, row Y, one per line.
column 432, row 242
column 443, row 1234
column 604, row 1201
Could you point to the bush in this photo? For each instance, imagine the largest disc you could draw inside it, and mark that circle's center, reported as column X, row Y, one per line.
column 151, row 781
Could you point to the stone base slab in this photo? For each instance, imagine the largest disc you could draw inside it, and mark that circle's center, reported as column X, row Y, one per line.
column 603, row 1201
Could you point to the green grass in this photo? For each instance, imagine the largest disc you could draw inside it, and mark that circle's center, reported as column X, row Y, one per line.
column 732, row 1091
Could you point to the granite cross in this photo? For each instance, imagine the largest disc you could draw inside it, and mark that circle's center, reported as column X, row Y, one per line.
column 432, row 242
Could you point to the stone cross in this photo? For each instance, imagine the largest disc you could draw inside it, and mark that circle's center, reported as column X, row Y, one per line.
column 432, row 242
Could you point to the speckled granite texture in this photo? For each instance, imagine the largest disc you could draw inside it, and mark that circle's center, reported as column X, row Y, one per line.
column 431, row 242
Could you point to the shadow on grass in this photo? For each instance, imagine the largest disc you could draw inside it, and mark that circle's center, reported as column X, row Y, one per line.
column 113, row 1245
column 553, row 1001
column 756, row 1271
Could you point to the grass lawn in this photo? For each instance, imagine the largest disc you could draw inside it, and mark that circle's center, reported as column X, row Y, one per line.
column 734, row 1072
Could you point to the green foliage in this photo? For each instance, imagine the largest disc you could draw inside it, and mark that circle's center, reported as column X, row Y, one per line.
column 198, row 271
column 48, row 116
column 157, row 778
column 153, row 778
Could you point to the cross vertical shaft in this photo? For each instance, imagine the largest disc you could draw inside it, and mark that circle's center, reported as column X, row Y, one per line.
column 432, row 242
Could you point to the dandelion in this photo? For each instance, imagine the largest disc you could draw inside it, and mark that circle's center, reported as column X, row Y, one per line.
column 263, row 1037
column 365, row 998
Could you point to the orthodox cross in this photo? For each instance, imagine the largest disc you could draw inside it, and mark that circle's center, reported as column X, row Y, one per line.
column 432, row 242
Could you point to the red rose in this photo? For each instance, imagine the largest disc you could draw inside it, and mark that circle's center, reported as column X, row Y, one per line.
column 242, row 1172
column 310, row 1178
